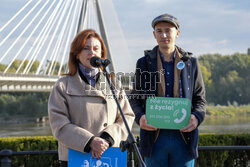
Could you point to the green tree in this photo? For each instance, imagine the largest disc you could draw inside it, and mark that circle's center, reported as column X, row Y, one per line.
column 17, row 63
column 34, row 66
column 54, row 67
column 229, row 80
column 2, row 67
column 24, row 104
column 207, row 79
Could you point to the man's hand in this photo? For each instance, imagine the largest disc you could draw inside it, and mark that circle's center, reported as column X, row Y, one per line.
column 98, row 146
column 193, row 123
column 144, row 125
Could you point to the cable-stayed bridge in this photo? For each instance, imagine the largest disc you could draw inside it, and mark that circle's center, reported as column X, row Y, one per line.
column 35, row 41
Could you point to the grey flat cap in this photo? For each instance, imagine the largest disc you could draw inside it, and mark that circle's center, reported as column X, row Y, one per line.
column 166, row 18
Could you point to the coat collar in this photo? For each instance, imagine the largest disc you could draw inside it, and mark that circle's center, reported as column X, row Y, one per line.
column 152, row 53
column 77, row 87
column 151, row 57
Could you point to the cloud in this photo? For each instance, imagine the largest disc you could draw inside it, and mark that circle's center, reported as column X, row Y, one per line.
column 206, row 26
column 217, row 16
column 200, row 46
column 223, row 42
column 155, row 1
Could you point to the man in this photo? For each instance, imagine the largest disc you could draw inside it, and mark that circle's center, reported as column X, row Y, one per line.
column 168, row 71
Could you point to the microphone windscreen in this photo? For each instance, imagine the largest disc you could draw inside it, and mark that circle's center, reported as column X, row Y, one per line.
column 93, row 61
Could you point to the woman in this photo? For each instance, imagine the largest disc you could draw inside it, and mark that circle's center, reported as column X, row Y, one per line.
column 81, row 116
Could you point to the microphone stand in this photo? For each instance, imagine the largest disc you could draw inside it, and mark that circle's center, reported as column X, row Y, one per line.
column 130, row 135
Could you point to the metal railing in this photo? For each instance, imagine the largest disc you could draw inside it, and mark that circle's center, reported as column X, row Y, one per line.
column 6, row 154
column 223, row 148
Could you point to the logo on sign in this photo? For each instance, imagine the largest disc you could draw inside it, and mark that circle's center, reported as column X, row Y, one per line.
column 112, row 157
column 177, row 113
column 168, row 113
column 104, row 162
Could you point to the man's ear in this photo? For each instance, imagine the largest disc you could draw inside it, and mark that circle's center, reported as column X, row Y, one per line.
column 178, row 33
column 154, row 33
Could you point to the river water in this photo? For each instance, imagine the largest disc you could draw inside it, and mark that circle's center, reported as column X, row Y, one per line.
column 215, row 125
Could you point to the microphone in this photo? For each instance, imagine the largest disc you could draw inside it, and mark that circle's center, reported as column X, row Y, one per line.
column 97, row 62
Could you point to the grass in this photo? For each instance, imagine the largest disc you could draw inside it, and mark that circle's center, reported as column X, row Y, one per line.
column 228, row 111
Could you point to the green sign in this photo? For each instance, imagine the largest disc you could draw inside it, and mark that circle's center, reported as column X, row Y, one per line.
column 168, row 113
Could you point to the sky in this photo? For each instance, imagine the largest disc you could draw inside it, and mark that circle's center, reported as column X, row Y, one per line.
column 207, row 26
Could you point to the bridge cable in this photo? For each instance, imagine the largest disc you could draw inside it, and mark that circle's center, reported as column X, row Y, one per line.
column 59, row 38
column 6, row 24
column 67, row 42
column 82, row 18
column 46, row 30
column 38, row 2
column 32, row 34
column 44, row 37
column 55, row 54
column 28, row 26
column 51, row 60
column 53, row 36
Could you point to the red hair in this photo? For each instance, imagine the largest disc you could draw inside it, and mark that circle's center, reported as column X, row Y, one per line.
column 77, row 46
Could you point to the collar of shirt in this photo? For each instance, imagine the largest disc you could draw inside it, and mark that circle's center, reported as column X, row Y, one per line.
column 162, row 59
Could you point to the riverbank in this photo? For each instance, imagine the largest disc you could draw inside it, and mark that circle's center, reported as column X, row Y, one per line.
column 218, row 111
column 235, row 125
column 23, row 120
column 232, row 111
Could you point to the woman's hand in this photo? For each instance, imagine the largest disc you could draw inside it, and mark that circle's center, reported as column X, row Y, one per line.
column 98, row 146
column 144, row 125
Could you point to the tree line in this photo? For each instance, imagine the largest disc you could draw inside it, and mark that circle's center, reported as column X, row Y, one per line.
column 23, row 104
column 21, row 65
column 227, row 78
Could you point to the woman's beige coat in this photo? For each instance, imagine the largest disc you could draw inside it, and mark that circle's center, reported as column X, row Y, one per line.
column 77, row 111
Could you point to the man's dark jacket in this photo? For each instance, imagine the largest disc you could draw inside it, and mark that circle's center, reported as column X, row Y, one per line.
column 145, row 85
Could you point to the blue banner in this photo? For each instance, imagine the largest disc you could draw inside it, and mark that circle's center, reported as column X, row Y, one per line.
column 112, row 157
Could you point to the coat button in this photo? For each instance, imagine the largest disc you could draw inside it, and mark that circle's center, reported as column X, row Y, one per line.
column 188, row 76
column 105, row 124
column 104, row 102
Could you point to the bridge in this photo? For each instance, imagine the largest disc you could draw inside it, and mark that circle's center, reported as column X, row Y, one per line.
column 35, row 41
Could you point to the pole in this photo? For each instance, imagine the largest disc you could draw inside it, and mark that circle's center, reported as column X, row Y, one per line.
column 104, row 35
column 83, row 14
column 130, row 135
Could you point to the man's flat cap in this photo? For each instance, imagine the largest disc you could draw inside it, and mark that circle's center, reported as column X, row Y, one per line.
column 166, row 18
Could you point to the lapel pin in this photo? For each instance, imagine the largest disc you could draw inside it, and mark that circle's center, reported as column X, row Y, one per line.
column 180, row 65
